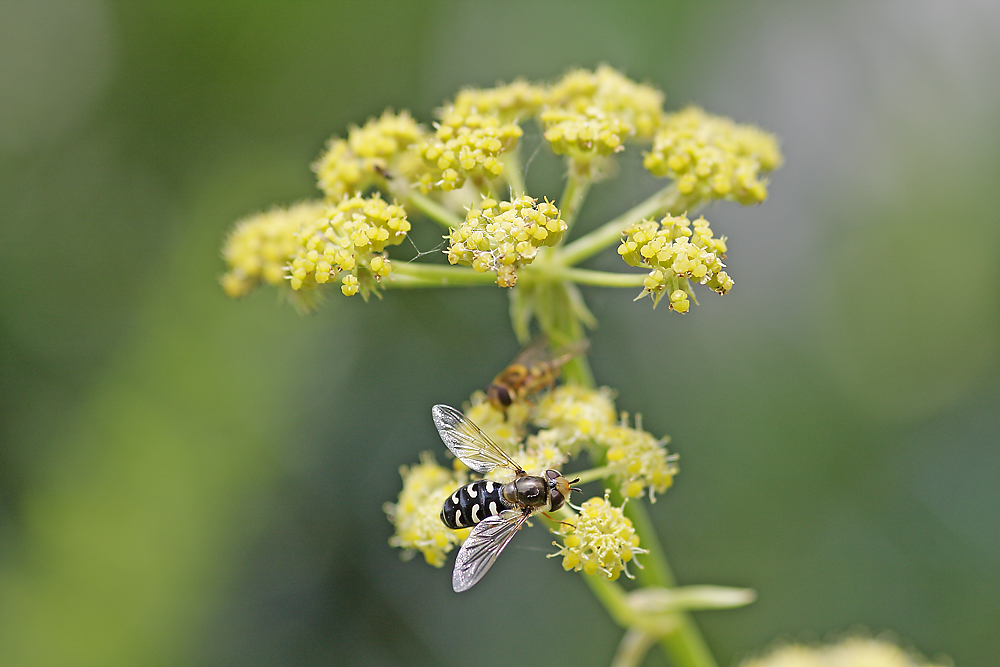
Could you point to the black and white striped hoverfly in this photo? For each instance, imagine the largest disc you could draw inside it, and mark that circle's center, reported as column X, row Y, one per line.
column 496, row 510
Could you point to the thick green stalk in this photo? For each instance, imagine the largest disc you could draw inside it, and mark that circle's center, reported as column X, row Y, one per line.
column 683, row 643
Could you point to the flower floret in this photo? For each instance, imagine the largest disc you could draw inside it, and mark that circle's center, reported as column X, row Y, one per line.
column 637, row 106
column 598, row 539
column 584, row 135
column 510, row 102
column 849, row 652
column 676, row 254
column 260, row 247
column 349, row 238
column 576, row 415
column 711, row 157
column 504, row 236
column 638, row 460
column 383, row 146
column 466, row 146
column 415, row 514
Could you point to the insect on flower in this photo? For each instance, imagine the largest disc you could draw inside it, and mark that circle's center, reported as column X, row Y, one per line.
column 496, row 510
column 535, row 368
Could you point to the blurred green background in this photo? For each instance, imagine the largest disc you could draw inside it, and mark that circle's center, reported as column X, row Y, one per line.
column 190, row 480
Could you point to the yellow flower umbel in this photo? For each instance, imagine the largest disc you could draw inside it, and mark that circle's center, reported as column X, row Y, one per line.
column 416, row 513
column 466, row 146
column 382, row 148
column 676, row 254
column 584, row 135
column 260, row 247
column 599, row 539
column 638, row 460
column 504, row 236
column 711, row 157
column 851, row 652
column 348, row 240
column 638, row 107
column 509, row 103
column 576, row 415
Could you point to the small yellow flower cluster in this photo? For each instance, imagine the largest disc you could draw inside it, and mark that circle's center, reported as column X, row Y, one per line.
column 712, row 157
column 509, row 103
column 466, row 146
column 416, row 514
column 851, row 652
column 583, row 135
column 504, row 236
column 504, row 427
column 259, row 247
column 348, row 239
column 676, row 253
column 638, row 460
column 639, row 108
column 599, row 539
column 576, row 415
column 382, row 147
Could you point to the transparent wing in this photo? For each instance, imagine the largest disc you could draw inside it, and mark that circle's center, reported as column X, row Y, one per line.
column 484, row 544
column 534, row 353
column 538, row 353
column 473, row 447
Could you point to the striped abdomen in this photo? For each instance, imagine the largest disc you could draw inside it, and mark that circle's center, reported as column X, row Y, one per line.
column 472, row 503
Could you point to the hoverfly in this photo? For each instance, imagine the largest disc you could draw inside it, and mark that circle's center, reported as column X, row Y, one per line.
column 535, row 368
column 496, row 510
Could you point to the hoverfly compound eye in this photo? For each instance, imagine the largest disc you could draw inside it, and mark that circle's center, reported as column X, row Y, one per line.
column 556, row 499
column 552, row 474
column 504, row 397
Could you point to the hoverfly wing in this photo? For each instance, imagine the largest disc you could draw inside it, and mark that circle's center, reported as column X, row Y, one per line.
column 534, row 353
column 473, row 447
column 483, row 545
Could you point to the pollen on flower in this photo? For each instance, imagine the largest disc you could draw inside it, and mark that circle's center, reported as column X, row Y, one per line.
column 466, row 146
column 599, row 539
column 348, row 238
column 850, row 652
column 638, row 460
column 711, row 157
column 415, row 514
column 383, row 146
column 576, row 415
column 504, row 236
column 676, row 255
column 260, row 247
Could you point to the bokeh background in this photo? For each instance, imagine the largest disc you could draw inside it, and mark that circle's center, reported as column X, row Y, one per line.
column 190, row 480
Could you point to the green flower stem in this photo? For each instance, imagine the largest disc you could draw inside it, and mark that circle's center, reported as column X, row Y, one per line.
column 513, row 172
column 633, row 648
column 574, row 193
column 593, row 474
column 667, row 199
column 415, row 274
column 683, row 642
column 433, row 210
column 603, row 278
